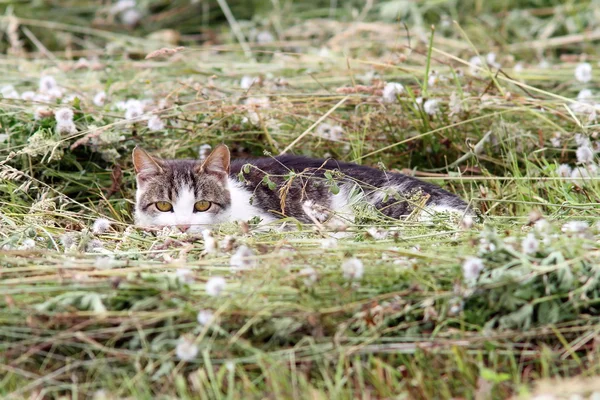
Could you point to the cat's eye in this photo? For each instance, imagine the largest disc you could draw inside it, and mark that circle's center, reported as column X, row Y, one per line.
column 164, row 206
column 202, row 205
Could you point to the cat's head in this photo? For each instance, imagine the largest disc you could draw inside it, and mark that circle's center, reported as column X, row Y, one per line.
column 187, row 194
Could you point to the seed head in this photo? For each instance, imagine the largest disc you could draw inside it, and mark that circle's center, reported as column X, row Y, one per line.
column 186, row 349
column 353, row 269
column 215, row 286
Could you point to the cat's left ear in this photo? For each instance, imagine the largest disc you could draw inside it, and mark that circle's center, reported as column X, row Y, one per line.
column 217, row 162
column 145, row 165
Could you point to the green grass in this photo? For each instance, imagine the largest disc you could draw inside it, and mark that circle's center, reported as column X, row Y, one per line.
column 85, row 315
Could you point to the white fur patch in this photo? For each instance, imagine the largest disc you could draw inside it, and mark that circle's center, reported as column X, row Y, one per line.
column 241, row 209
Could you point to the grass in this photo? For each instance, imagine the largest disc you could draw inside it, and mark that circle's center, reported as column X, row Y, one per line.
column 100, row 315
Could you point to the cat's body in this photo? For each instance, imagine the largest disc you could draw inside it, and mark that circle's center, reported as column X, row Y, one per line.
column 309, row 190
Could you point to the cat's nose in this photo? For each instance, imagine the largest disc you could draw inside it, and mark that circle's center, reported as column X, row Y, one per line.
column 183, row 228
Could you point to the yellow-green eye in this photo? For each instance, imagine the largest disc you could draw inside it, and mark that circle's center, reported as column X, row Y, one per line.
column 164, row 206
column 202, row 205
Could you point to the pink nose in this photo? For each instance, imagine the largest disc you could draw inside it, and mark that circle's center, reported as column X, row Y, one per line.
column 183, row 228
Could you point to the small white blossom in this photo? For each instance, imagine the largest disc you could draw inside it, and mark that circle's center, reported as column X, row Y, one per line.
column 329, row 243
column 184, row 275
column 155, row 123
column 227, row 243
column 575, row 227
column 101, row 225
column 204, row 151
column 210, row 244
column 467, row 222
column 564, row 170
column 48, row 84
column 9, row 92
column 265, row 37
column 391, row 90
column 330, row 132
column 490, row 58
column 455, row 104
column 542, row 226
column 431, row 106
column 518, row 68
column 131, row 17
column 66, row 127
column 555, row 139
column 186, row 349
column 4, row 137
column 28, row 95
column 583, row 72
column 378, row 234
column 121, row 6
column 105, row 262
column 242, row 259
column 63, row 115
column 474, row 65
column 205, row 317
column 248, row 81
column 133, row 109
column 472, row 267
column 100, row 99
column 485, row 246
column 27, row 244
column 309, row 275
column 585, row 154
column 530, row 244
column 353, row 269
column 215, row 286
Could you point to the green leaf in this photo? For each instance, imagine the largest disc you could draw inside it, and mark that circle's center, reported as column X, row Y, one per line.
column 493, row 376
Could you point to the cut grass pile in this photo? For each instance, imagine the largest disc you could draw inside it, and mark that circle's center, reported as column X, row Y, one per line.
column 499, row 108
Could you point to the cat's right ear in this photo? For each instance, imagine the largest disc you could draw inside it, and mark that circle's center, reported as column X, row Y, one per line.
column 145, row 165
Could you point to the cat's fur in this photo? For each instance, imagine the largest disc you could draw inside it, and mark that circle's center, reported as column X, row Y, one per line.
column 273, row 188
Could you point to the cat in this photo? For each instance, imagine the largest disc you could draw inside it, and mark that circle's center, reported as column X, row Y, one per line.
column 193, row 195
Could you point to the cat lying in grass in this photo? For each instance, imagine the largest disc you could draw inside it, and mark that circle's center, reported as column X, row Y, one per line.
column 193, row 195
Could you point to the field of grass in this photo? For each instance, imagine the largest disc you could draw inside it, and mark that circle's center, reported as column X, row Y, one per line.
column 497, row 104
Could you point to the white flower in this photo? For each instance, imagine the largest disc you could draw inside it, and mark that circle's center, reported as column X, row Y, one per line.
column 555, row 139
column 48, row 84
column 27, row 244
column 490, row 58
column 155, row 123
column 353, row 269
column 28, row 95
column 467, row 222
column 585, row 95
column 4, row 137
column 106, row 262
column 329, row 243
column 186, row 349
column 133, row 109
column 184, row 275
column 100, row 99
column 131, row 17
column 247, row 82
column 210, row 244
column 518, row 68
column 66, row 127
column 309, row 275
column 63, row 115
column 205, row 317
column 100, row 226
column 9, row 92
column 585, row 154
column 215, row 286
column 431, row 106
column 583, row 72
column 121, row 6
column 265, row 37
column 455, row 104
column 564, row 170
column 377, row 234
column 575, row 227
column 472, row 267
column 530, row 244
column 579, row 175
column 204, row 151
column 68, row 240
column 390, row 92
column 242, row 259
column 542, row 226
column 474, row 65
column 330, row 132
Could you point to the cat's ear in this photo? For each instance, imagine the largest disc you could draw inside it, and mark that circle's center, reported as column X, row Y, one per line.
column 217, row 162
column 145, row 165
